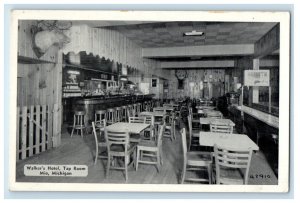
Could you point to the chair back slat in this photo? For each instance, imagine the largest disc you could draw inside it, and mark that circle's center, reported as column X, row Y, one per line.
column 160, row 110
column 149, row 119
column 113, row 137
column 232, row 158
column 221, row 128
column 137, row 119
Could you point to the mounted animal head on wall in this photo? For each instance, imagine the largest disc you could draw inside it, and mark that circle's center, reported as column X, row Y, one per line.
column 49, row 33
column 181, row 75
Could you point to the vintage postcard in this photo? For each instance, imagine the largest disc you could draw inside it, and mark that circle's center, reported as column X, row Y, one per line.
column 156, row 101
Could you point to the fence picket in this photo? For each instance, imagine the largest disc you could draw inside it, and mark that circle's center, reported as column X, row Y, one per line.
column 50, row 127
column 37, row 130
column 44, row 119
column 24, row 131
column 31, row 131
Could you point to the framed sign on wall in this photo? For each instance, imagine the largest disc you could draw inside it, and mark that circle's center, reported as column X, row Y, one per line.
column 257, row 78
column 154, row 82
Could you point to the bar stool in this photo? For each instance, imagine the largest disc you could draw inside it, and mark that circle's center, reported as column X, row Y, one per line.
column 78, row 122
column 111, row 116
column 118, row 114
column 130, row 107
column 145, row 106
column 124, row 113
column 130, row 113
column 100, row 115
column 135, row 107
column 139, row 108
column 151, row 105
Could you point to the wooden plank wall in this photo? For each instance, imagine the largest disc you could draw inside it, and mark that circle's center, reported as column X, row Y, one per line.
column 111, row 45
column 196, row 76
column 39, row 84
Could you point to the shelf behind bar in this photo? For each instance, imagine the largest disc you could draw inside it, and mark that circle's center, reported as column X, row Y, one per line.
column 87, row 68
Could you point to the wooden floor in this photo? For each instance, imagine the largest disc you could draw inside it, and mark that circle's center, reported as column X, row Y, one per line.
column 80, row 151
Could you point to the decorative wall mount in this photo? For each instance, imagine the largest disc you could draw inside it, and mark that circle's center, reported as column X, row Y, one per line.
column 47, row 33
column 181, row 75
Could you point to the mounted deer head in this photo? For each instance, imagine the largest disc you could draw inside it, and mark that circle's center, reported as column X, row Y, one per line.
column 43, row 40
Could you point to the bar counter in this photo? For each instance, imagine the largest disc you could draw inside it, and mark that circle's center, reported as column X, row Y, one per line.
column 261, row 127
column 91, row 103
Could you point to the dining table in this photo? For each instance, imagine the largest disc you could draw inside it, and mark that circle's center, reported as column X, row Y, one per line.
column 167, row 108
column 155, row 113
column 221, row 121
column 204, row 109
column 208, row 112
column 229, row 141
column 134, row 129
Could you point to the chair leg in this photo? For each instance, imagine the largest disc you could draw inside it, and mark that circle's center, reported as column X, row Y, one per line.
column 183, row 174
column 137, row 159
column 72, row 131
column 158, row 161
column 81, row 131
column 161, row 157
column 126, row 164
column 108, row 165
column 96, row 155
column 209, row 173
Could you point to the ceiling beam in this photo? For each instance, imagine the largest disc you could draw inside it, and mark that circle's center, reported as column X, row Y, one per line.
column 191, row 51
column 268, row 63
column 199, row 64
column 268, row 43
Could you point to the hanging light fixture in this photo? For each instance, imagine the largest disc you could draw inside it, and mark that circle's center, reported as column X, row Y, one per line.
column 193, row 33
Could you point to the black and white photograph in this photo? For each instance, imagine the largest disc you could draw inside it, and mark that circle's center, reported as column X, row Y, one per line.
column 150, row 101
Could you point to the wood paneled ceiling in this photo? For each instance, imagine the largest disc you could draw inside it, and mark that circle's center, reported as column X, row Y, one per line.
column 170, row 34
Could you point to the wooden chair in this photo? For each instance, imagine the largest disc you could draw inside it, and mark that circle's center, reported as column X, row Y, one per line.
column 100, row 142
column 118, row 146
column 193, row 134
column 195, row 161
column 195, row 118
column 232, row 165
column 150, row 149
column 170, row 127
column 78, row 122
column 137, row 119
column 220, row 128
